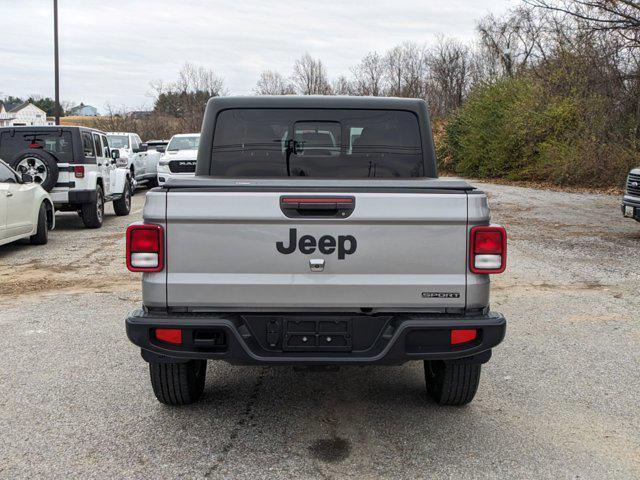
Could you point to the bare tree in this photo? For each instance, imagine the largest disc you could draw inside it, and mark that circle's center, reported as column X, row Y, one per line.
column 449, row 80
column 342, row 86
column 310, row 76
column 621, row 17
column 406, row 71
column 369, row 76
column 272, row 83
column 512, row 41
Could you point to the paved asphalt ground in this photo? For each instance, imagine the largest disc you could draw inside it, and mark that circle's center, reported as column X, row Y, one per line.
column 560, row 398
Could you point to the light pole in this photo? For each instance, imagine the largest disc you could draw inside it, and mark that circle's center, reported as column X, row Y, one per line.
column 56, row 107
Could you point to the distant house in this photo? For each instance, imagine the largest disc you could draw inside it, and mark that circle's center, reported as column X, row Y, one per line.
column 5, row 117
column 83, row 110
column 25, row 113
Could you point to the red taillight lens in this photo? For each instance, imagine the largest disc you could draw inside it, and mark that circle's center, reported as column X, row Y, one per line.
column 145, row 240
column 488, row 242
column 488, row 249
column 169, row 335
column 145, row 248
column 463, row 336
column 78, row 171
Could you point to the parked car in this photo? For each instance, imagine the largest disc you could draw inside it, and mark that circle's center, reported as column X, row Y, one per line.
column 134, row 157
column 316, row 232
column 179, row 160
column 631, row 199
column 74, row 164
column 26, row 209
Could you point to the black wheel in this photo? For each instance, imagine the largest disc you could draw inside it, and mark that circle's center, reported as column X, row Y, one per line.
column 152, row 183
column 122, row 206
column 41, row 165
column 451, row 383
column 93, row 213
column 42, row 233
column 178, row 383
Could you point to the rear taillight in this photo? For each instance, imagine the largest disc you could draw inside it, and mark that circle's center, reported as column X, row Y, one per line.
column 78, row 171
column 488, row 249
column 145, row 248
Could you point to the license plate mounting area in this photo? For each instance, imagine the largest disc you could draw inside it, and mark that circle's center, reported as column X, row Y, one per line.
column 317, row 334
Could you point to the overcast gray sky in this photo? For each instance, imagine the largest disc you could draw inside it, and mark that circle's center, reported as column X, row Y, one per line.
column 110, row 50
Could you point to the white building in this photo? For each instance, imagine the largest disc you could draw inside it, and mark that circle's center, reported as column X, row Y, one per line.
column 24, row 114
column 5, row 117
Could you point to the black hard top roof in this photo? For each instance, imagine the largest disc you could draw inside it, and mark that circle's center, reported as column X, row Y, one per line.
column 317, row 101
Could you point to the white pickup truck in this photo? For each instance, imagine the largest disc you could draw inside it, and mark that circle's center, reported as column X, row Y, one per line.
column 316, row 232
column 179, row 159
column 135, row 157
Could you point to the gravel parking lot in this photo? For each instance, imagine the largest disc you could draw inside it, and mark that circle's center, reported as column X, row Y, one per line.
column 560, row 398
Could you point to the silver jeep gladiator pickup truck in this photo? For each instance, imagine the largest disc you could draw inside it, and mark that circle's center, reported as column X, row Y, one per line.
column 315, row 232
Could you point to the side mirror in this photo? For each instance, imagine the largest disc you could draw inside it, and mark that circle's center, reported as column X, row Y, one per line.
column 141, row 148
column 115, row 154
column 26, row 178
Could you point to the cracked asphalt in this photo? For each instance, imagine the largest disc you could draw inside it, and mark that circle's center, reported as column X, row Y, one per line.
column 559, row 399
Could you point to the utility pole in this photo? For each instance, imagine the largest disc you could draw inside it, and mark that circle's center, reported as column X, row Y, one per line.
column 56, row 107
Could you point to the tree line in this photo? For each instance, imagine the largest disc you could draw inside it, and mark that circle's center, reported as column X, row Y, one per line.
column 549, row 92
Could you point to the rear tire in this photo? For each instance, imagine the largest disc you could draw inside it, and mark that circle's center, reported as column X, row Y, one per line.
column 451, row 383
column 178, row 383
column 41, row 236
column 122, row 206
column 133, row 182
column 93, row 213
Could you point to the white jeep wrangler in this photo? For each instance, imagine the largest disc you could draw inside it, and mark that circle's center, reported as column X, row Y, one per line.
column 74, row 164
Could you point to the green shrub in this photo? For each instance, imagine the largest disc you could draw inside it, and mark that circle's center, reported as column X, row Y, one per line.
column 515, row 129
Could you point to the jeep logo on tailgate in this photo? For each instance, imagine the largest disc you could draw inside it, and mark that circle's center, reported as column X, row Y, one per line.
column 345, row 244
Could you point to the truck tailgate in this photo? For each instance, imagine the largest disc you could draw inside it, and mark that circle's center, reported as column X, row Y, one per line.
column 409, row 251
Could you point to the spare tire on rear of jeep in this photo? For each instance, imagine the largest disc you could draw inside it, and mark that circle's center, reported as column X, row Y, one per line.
column 40, row 164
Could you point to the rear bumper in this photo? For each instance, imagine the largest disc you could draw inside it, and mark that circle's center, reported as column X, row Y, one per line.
column 74, row 197
column 260, row 339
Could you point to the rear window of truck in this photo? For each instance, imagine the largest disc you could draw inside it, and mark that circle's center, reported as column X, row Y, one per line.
column 54, row 142
column 317, row 143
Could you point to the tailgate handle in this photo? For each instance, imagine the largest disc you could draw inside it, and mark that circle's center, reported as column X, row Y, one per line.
column 308, row 206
